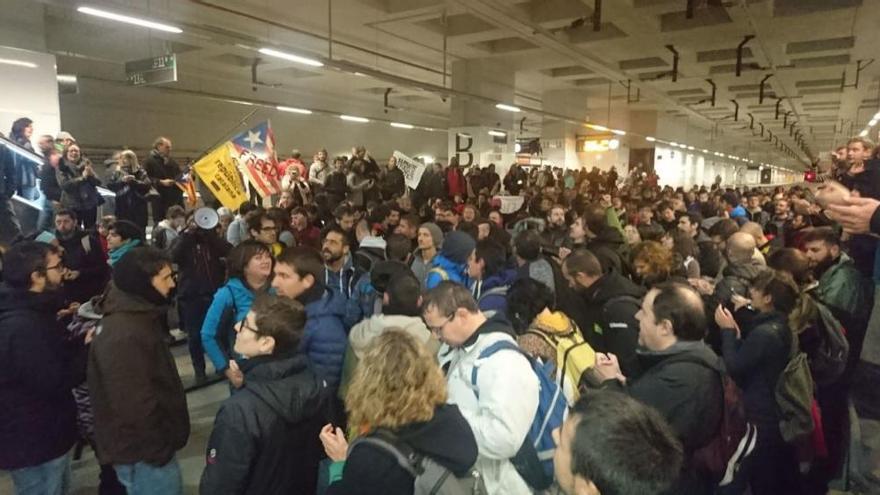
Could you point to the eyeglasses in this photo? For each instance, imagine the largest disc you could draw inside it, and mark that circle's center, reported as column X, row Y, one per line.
column 58, row 266
column 267, row 228
column 246, row 326
column 439, row 328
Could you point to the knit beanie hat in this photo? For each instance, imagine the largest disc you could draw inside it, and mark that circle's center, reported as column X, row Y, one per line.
column 435, row 231
column 458, row 246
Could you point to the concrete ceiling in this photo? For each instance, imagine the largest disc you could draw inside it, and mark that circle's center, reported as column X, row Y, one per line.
column 806, row 51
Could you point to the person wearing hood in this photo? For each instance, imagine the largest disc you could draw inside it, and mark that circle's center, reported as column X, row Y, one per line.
column 397, row 413
column 429, row 240
column 489, row 276
column 265, row 437
column 131, row 184
column 38, row 426
column 682, row 377
column 122, row 237
column 451, row 263
column 141, row 417
column 501, row 411
column 401, row 298
column 612, row 301
column 248, row 267
column 299, row 274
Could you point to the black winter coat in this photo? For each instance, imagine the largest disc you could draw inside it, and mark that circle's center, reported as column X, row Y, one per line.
column 611, row 250
column 137, row 397
column 446, row 438
column 131, row 200
column 393, row 184
column 608, row 320
column 39, row 369
column 756, row 361
column 82, row 253
column 265, row 438
column 78, row 192
column 199, row 257
column 49, row 182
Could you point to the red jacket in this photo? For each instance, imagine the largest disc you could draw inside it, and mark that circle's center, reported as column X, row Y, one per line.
column 455, row 184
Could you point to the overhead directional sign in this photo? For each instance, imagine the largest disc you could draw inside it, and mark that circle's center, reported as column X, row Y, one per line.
column 155, row 70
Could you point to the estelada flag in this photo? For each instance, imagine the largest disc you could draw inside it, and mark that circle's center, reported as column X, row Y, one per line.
column 186, row 184
column 219, row 173
column 255, row 153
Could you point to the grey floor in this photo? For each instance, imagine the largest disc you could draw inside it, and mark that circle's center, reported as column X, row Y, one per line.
column 203, row 404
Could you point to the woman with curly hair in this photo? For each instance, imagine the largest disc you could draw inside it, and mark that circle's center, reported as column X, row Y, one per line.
column 652, row 263
column 398, row 397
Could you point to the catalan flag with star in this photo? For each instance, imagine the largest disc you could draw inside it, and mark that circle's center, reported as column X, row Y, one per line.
column 255, row 154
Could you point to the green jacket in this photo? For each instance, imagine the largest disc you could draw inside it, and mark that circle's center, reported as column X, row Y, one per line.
column 844, row 289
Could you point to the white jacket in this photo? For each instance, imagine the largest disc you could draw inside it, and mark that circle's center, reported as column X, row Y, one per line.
column 502, row 416
column 362, row 334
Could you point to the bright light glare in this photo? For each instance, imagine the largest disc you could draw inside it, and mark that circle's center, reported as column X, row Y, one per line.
column 352, row 118
column 401, row 125
column 613, row 144
column 129, row 20
column 618, row 132
column 509, row 108
column 19, row 63
column 650, row 139
column 66, row 78
column 294, row 110
column 517, row 148
column 497, row 133
column 290, row 56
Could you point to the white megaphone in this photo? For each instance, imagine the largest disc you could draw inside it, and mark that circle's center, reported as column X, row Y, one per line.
column 206, row 218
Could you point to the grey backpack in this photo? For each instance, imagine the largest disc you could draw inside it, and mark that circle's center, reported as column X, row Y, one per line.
column 430, row 478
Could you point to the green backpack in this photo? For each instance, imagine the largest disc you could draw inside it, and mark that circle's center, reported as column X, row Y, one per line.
column 794, row 396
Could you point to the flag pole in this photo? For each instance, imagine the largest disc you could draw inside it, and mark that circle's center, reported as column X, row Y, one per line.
column 226, row 135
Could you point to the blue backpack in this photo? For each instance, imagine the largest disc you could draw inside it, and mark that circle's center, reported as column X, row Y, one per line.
column 534, row 460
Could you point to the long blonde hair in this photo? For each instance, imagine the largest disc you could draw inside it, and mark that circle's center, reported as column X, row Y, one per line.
column 396, row 383
column 128, row 157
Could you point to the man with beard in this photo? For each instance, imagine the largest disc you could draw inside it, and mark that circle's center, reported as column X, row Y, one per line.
column 141, row 417
column 38, row 426
column 605, row 241
column 87, row 269
column 610, row 323
column 555, row 232
column 339, row 273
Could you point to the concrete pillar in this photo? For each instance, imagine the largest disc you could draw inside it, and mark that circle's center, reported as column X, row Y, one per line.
column 471, row 120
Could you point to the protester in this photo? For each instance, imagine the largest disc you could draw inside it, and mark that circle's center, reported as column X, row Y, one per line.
column 163, row 172
column 87, row 270
column 122, row 237
column 501, row 413
column 399, row 396
column 141, row 416
column 451, row 262
column 38, row 427
column 79, row 186
column 265, row 438
column 132, row 185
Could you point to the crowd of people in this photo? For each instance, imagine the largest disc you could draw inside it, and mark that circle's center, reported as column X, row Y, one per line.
column 658, row 340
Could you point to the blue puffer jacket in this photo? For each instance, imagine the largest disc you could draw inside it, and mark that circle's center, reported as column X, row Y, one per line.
column 456, row 272
column 234, row 292
column 326, row 336
column 491, row 294
column 361, row 303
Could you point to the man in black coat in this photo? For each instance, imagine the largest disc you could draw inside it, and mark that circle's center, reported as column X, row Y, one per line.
column 198, row 254
column 38, row 425
column 681, row 375
column 163, row 172
column 87, row 269
column 608, row 320
column 393, row 184
column 265, row 437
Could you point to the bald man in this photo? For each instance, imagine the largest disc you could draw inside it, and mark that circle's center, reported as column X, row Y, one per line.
column 682, row 377
column 742, row 268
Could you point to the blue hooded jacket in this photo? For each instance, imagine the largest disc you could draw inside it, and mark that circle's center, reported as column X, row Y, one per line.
column 456, row 272
column 234, row 292
column 326, row 336
column 496, row 300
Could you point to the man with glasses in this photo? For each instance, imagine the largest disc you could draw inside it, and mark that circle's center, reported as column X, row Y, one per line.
column 263, row 229
column 38, row 425
column 141, row 417
column 502, row 406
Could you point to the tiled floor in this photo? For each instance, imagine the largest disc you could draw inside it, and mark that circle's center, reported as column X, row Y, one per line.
column 203, row 405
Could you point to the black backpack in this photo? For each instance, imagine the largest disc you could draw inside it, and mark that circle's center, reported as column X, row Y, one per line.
column 825, row 344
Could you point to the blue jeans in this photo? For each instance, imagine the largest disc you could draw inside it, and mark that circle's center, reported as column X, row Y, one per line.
column 49, row 478
column 145, row 479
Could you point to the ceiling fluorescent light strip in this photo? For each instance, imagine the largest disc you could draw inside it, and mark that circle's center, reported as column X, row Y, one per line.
column 509, row 108
column 19, row 63
column 401, row 125
column 66, row 78
column 291, row 57
column 129, row 20
column 497, row 133
column 352, row 118
column 294, row 110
